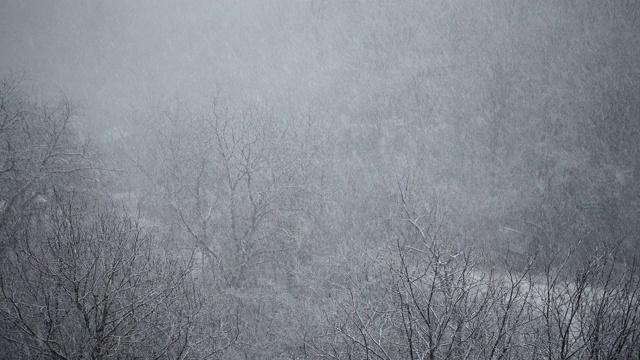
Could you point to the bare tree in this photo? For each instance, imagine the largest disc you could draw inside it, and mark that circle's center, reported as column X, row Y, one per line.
column 39, row 150
column 232, row 182
column 83, row 281
column 427, row 298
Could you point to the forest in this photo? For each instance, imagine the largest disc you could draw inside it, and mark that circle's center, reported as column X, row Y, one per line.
column 420, row 179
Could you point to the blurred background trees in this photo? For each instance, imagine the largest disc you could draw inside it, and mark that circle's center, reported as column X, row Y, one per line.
column 40, row 151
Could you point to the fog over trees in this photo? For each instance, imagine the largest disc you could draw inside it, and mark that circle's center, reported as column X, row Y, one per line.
column 270, row 179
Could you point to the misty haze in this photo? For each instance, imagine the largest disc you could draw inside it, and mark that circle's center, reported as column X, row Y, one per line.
column 314, row 179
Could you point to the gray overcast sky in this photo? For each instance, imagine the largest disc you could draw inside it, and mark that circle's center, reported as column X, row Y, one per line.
column 110, row 55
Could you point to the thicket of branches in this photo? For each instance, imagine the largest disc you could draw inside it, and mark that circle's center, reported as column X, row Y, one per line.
column 80, row 277
column 423, row 297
